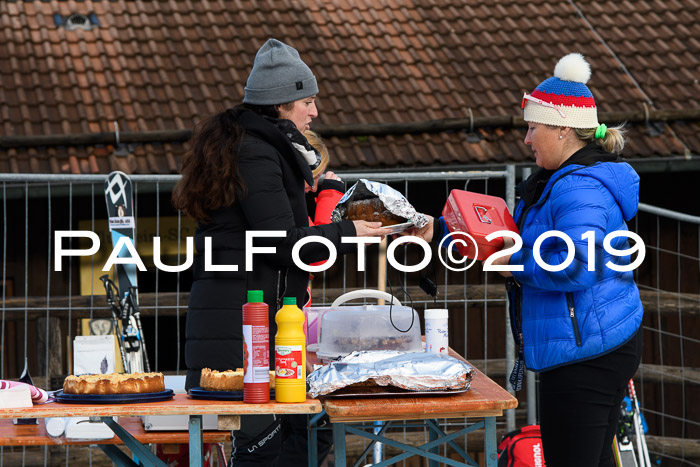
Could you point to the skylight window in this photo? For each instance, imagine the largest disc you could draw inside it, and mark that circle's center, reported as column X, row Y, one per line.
column 77, row 21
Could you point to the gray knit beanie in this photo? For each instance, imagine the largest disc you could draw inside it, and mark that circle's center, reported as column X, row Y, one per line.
column 278, row 76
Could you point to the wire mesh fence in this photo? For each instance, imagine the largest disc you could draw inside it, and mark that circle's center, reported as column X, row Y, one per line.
column 668, row 380
column 42, row 309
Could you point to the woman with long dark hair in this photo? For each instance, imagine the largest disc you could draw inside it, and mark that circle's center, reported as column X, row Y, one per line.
column 245, row 171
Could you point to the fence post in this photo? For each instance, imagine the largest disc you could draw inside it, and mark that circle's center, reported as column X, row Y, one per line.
column 530, row 383
column 510, row 343
column 48, row 328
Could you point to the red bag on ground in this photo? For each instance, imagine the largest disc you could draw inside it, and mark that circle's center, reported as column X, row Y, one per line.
column 521, row 448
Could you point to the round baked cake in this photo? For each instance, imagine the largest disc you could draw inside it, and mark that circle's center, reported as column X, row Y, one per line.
column 114, row 383
column 229, row 380
column 372, row 210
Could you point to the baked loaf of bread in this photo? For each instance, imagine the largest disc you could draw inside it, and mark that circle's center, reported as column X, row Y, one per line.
column 372, row 210
column 114, row 383
column 229, row 380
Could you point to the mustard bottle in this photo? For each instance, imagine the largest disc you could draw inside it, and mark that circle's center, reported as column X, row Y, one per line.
column 290, row 353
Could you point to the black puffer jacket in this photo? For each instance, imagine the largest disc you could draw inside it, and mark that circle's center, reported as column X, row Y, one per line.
column 274, row 174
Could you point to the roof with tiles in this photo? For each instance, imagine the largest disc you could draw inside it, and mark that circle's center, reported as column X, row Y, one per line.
column 166, row 65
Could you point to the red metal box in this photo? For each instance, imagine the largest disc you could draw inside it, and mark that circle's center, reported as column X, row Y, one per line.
column 478, row 215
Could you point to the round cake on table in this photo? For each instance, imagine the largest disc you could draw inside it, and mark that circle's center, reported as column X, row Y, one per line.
column 229, row 380
column 114, row 383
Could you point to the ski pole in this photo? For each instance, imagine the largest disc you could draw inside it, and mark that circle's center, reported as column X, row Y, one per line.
column 110, row 287
column 134, row 346
column 137, row 316
column 641, row 439
column 115, row 307
column 639, row 431
column 130, row 334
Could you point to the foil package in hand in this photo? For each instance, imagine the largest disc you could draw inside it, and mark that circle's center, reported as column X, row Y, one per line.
column 377, row 202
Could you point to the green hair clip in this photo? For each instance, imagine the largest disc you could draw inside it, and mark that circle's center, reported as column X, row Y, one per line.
column 600, row 131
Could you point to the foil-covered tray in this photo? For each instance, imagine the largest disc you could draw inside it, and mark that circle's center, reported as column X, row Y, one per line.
column 412, row 371
column 390, row 391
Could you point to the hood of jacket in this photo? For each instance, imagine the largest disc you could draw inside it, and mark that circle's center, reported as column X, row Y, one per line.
column 618, row 177
column 267, row 129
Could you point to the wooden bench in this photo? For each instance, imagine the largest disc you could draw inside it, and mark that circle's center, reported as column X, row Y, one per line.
column 35, row 435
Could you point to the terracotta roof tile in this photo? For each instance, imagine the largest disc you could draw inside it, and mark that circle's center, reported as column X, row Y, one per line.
column 167, row 66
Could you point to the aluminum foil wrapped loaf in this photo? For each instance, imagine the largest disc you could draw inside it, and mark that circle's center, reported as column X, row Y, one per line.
column 413, row 371
column 373, row 201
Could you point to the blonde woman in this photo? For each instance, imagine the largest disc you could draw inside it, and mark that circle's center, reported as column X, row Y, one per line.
column 580, row 329
column 330, row 190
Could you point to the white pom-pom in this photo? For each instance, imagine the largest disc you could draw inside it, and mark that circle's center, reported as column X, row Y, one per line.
column 573, row 67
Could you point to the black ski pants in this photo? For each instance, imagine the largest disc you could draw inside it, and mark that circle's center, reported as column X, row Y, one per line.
column 580, row 406
column 267, row 440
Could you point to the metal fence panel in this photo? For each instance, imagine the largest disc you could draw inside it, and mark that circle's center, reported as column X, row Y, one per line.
column 40, row 307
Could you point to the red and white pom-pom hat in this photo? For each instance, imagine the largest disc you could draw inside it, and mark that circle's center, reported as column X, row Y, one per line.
column 564, row 99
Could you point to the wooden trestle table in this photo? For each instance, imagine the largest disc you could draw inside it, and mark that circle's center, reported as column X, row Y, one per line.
column 180, row 404
column 485, row 400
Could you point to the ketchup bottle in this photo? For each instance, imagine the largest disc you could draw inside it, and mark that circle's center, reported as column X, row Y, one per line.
column 256, row 348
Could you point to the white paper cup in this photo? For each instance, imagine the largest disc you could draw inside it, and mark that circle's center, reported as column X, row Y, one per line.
column 436, row 334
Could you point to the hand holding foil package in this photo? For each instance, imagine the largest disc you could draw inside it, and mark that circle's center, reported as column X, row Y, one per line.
column 390, row 202
column 413, row 371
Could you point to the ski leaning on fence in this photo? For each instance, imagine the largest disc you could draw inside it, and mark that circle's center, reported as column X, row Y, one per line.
column 629, row 426
column 123, row 300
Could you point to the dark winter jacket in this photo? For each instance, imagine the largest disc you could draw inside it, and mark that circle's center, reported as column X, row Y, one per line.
column 575, row 314
column 274, row 174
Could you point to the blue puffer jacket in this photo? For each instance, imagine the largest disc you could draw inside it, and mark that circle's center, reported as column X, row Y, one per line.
column 576, row 314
